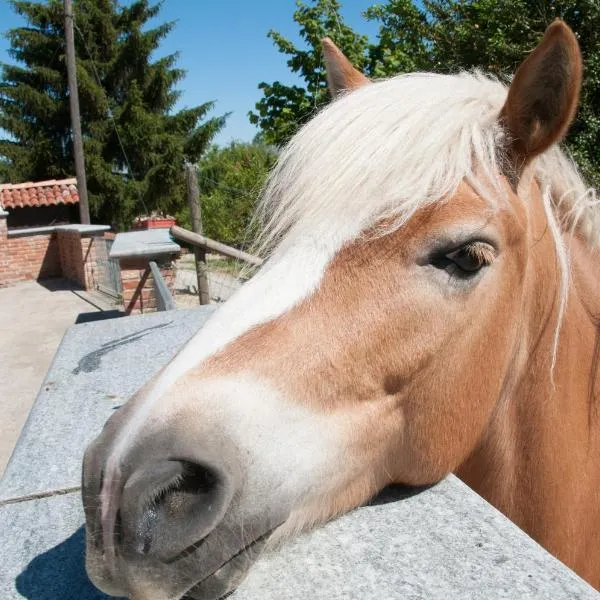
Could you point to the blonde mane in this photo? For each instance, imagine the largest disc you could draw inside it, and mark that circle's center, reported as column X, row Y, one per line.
column 388, row 149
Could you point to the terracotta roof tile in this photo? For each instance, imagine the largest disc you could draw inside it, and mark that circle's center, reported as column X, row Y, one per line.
column 40, row 193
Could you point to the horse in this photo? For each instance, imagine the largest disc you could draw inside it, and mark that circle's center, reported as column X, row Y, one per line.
column 429, row 304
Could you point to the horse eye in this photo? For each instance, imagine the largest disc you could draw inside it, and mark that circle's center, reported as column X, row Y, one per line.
column 472, row 257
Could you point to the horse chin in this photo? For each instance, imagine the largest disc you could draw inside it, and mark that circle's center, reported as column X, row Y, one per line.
column 224, row 581
column 230, row 564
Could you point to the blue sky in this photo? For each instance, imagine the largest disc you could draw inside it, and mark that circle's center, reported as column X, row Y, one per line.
column 224, row 48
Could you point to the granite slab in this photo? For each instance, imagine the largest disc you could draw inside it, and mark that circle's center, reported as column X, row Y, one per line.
column 444, row 543
column 97, row 367
column 147, row 243
column 81, row 228
column 42, row 551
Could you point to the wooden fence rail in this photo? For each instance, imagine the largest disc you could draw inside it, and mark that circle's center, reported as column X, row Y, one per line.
column 213, row 246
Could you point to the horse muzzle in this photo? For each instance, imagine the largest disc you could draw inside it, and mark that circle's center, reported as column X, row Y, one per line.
column 170, row 520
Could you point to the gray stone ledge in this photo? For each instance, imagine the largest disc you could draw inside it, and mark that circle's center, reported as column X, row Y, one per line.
column 97, row 367
column 83, row 229
column 444, row 543
column 145, row 243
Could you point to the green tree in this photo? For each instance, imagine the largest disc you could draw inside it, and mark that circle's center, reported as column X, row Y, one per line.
column 135, row 143
column 443, row 36
column 230, row 180
column 496, row 36
column 285, row 108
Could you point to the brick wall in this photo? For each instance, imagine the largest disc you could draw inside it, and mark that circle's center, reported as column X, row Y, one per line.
column 138, row 283
column 69, row 254
column 78, row 258
column 27, row 257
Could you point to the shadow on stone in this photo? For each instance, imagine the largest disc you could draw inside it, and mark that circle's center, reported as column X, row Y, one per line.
column 91, row 362
column 98, row 315
column 59, row 574
column 393, row 493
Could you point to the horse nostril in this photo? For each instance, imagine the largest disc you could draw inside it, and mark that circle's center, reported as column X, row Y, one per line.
column 196, row 479
column 170, row 506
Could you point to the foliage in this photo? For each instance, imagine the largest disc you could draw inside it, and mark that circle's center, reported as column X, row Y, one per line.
column 284, row 108
column 135, row 144
column 230, row 180
column 442, row 36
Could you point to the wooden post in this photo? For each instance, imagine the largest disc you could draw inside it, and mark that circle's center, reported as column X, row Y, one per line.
column 196, row 216
column 84, row 210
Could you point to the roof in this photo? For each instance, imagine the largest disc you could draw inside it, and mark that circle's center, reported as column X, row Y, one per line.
column 39, row 193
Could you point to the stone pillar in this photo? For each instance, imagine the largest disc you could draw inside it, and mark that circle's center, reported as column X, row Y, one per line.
column 3, row 225
column 69, row 245
column 138, row 283
column 135, row 250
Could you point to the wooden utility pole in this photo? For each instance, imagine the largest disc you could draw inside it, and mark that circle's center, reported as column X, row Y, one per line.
column 196, row 215
column 84, row 210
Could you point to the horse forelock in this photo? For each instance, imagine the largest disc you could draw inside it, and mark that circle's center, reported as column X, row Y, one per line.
column 386, row 150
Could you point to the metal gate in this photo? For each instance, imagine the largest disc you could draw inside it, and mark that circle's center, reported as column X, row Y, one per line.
column 108, row 278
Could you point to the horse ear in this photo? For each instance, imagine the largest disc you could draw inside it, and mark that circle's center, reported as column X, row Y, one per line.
column 341, row 75
column 543, row 95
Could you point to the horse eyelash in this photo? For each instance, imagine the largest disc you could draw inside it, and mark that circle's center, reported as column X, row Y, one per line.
column 481, row 251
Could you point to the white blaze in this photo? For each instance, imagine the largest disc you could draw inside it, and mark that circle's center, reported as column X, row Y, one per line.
column 286, row 279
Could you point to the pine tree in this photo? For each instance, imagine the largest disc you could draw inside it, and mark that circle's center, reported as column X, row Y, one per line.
column 135, row 144
column 33, row 98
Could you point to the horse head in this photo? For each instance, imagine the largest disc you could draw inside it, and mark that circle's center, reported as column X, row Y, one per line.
column 415, row 259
